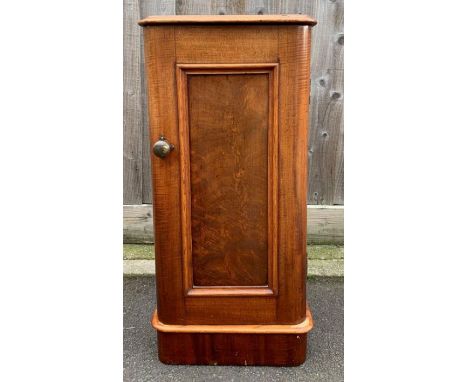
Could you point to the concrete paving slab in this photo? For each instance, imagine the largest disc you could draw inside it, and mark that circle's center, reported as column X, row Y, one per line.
column 331, row 268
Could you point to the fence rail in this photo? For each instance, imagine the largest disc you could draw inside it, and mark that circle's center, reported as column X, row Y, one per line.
column 324, row 224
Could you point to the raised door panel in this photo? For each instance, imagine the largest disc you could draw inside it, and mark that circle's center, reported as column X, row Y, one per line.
column 229, row 149
column 228, row 122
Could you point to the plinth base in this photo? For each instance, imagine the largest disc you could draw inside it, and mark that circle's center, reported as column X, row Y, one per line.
column 262, row 345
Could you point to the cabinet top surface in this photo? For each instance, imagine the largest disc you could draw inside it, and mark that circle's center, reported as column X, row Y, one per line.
column 229, row 19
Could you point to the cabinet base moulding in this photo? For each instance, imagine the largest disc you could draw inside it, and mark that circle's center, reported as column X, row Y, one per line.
column 247, row 345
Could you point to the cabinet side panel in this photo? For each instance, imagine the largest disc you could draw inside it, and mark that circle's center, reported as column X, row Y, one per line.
column 162, row 109
column 294, row 53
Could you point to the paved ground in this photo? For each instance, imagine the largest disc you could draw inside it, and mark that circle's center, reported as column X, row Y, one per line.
column 325, row 346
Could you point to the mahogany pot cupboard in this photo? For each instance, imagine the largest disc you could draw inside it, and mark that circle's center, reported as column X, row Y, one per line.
column 228, row 101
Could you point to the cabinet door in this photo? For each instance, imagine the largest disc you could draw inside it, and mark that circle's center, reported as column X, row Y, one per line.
column 230, row 199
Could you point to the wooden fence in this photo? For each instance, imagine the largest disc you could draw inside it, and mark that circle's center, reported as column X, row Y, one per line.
column 325, row 182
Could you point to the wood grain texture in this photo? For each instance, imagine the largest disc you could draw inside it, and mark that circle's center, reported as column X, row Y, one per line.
column 212, row 7
column 325, row 160
column 226, row 44
column 227, row 7
column 257, row 302
column 157, row 7
column 231, row 310
column 290, row 46
column 285, row 6
column 232, row 349
column 229, row 121
column 230, row 225
column 303, row 327
column 294, row 55
column 228, row 19
column 132, row 106
column 148, row 8
column 324, row 224
column 193, row 7
column 160, row 70
column 167, row 196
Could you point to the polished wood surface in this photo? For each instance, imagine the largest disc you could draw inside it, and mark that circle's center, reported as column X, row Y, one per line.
column 294, row 55
column 232, row 349
column 303, row 327
column 230, row 199
column 162, row 112
column 287, row 46
column 228, row 19
column 229, row 173
column 228, row 130
column 227, row 44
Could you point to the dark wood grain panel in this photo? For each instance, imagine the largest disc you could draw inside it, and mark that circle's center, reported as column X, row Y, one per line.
column 228, row 122
column 232, row 349
column 266, row 74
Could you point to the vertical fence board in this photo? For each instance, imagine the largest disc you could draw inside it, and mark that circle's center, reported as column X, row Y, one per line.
column 255, row 7
column 339, row 158
column 326, row 110
column 132, row 107
column 226, row 7
column 325, row 161
column 325, row 184
column 193, row 7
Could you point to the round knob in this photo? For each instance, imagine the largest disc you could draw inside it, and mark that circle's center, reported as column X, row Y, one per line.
column 162, row 147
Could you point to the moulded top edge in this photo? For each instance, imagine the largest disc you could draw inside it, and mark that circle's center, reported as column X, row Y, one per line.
column 228, row 19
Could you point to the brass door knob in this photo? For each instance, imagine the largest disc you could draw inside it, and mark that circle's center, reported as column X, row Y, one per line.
column 162, row 147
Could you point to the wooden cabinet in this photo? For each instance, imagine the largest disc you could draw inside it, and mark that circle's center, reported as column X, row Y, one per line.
column 228, row 101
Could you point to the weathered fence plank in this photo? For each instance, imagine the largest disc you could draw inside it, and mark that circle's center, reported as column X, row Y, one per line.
column 132, row 107
column 324, row 224
column 193, row 7
column 326, row 140
column 325, row 186
column 326, row 110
